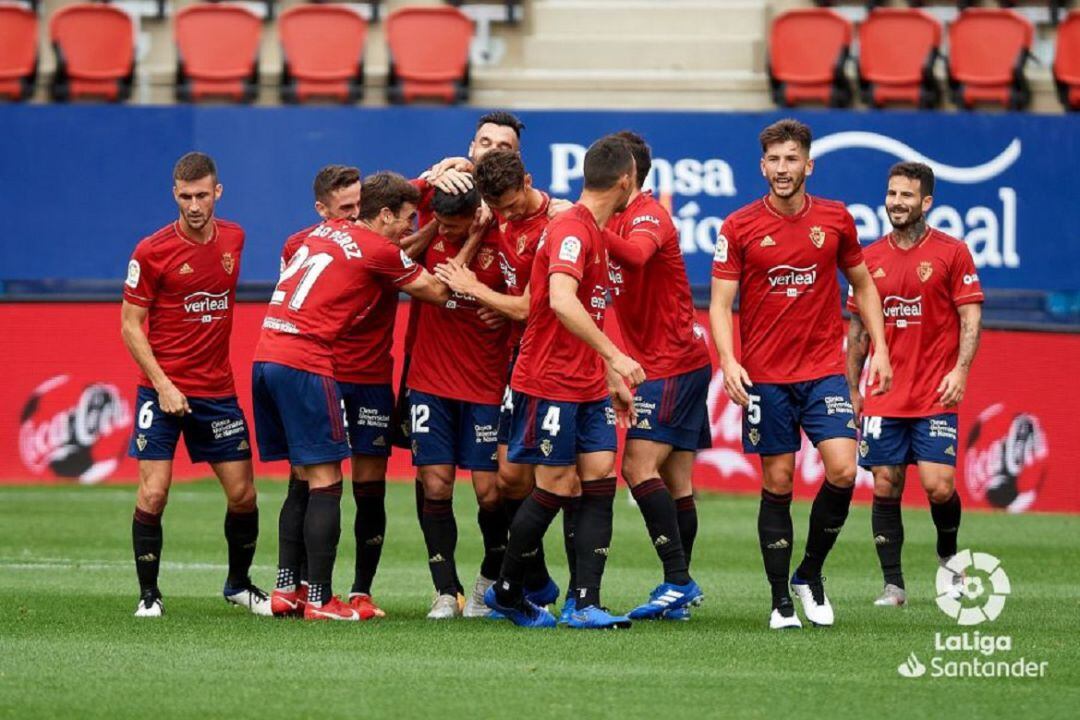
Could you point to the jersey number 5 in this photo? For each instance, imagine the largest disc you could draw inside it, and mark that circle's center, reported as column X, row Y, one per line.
column 312, row 266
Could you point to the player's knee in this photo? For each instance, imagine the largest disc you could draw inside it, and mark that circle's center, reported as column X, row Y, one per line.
column 843, row 475
column 152, row 499
column 886, row 485
column 242, row 499
column 513, row 485
column 778, row 481
column 438, row 488
column 940, row 490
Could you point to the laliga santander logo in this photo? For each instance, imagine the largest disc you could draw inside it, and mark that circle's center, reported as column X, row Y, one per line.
column 984, row 583
column 74, row 433
column 1006, row 459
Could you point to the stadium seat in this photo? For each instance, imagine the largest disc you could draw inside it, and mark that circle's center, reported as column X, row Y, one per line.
column 95, row 52
column 217, row 49
column 807, row 52
column 988, row 48
column 898, row 48
column 18, row 52
column 322, row 48
column 429, row 54
column 1067, row 61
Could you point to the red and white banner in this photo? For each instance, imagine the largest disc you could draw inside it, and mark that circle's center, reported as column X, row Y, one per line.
column 69, row 385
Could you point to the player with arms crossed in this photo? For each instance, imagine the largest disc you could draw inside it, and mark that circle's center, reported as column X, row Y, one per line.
column 781, row 254
column 181, row 281
column 655, row 311
column 363, row 369
column 933, row 309
column 564, row 381
column 339, row 269
column 507, row 190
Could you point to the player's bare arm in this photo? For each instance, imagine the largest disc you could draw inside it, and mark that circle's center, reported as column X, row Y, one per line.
column 858, row 347
column 558, row 205
column 132, row 320
column 452, row 180
column 458, row 163
column 955, row 382
column 721, row 324
column 869, row 303
column 415, row 244
column 621, row 398
column 633, row 251
column 428, row 288
column 575, row 318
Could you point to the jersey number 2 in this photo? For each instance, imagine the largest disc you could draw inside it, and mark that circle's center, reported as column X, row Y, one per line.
column 312, row 266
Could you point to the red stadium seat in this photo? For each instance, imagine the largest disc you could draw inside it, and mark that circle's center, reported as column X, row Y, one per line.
column 807, row 52
column 1067, row 61
column 897, row 51
column 18, row 52
column 323, row 48
column 988, row 48
column 95, row 52
column 429, row 54
column 217, row 53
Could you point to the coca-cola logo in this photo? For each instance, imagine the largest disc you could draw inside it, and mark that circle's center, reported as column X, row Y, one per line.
column 73, row 432
column 1006, row 458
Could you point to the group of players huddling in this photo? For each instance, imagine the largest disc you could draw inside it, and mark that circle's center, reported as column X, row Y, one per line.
column 508, row 374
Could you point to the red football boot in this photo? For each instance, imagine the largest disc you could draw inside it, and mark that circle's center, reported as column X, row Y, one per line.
column 364, row 605
column 333, row 609
column 286, row 603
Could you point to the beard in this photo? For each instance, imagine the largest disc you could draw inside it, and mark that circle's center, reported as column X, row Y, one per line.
column 913, row 217
column 796, row 185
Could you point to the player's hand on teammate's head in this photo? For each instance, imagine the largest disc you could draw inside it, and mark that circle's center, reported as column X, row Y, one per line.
column 735, row 383
column 481, row 220
column 452, row 181
column 558, row 205
column 463, row 164
column 491, row 318
column 880, row 373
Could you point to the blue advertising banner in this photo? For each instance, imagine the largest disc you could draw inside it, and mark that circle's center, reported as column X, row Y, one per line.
column 81, row 184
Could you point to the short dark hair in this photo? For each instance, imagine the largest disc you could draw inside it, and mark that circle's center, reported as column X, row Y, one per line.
column 194, row 166
column 498, row 172
column 606, row 160
column 916, row 171
column 503, row 118
column 455, row 205
column 785, row 130
column 334, row 177
column 642, row 153
column 386, row 190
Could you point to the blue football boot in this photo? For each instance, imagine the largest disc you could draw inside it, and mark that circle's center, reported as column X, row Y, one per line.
column 543, row 596
column 528, row 615
column 595, row 618
column 666, row 597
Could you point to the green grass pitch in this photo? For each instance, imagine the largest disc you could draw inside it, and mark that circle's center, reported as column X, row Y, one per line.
column 70, row 648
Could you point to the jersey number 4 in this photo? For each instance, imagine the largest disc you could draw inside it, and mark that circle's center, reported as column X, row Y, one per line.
column 312, row 265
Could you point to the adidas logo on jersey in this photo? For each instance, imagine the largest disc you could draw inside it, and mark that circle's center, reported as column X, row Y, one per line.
column 767, row 241
column 781, row 544
column 661, row 540
column 186, row 269
column 951, row 450
column 244, row 445
column 436, row 558
column 644, row 425
column 879, row 273
column 851, row 424
column 439, row 246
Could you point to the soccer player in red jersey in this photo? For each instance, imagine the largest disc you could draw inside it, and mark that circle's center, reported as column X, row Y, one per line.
column 932, row 302
column 181, row 282
column 455, row 383
column 564, row 382
column 507, row 190
column 363, row 369
column 781, row 254
column 655, row 311
column 339, row 269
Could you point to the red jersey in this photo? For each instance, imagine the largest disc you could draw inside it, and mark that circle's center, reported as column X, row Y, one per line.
column 454, row 354
column 555, row 364
column 338, row 270
column 920, row 289
column 655, row 307
column 517, row 250
column 190, row 290
column 789, row 298
column 362, row 352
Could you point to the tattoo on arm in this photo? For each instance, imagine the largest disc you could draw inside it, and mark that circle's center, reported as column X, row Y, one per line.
column 970, row 329
column 858, row 349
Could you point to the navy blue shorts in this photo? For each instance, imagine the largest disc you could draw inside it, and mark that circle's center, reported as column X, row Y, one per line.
column 453, row 432
column 674, row 411
column 297, row 415
column 506, row 410
column 214, row 431
column 399, row 420
column 550, row 432
column 367, row 417
column 902, row 441
column 771, row 422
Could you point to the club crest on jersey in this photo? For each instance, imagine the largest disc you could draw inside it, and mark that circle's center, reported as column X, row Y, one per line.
column 522, row 242
column 817, row 236
column 185, row 269
column 140, row 442
column 754, row 436
column 485, row 257
column 879, row 273
column 228, row 262
column 926, row 269
column 767, row 241
column 864, row 449
column 546, row 447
